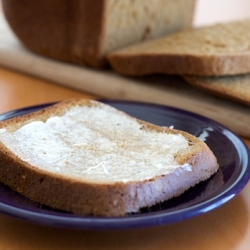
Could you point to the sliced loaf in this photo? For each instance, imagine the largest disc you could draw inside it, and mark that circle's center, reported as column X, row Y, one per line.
column 83, row 31
column 221, row 49
column 86, row 157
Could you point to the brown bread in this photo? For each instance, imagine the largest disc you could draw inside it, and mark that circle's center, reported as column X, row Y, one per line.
column 221, row 49
column 236, row 87
column 82, row 32
column 86, row 157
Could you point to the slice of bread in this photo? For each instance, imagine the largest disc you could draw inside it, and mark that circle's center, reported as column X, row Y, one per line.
column 221, row 49
column 86, row 157
column 236, row 87
column 83, row 31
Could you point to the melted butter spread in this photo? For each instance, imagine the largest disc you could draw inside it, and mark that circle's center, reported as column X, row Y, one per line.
column 96, row 143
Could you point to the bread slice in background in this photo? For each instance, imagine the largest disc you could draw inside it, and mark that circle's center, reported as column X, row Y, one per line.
column 221, row 49
column 83, row 31
column 86, row 157
column 236, row 88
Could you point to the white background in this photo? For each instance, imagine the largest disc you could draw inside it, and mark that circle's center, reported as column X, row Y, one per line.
column 213, row 11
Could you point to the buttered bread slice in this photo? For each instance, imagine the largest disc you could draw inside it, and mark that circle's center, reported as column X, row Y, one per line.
column 87, row 157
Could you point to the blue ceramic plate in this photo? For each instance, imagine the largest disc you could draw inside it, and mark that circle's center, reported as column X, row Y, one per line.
column 231, row 152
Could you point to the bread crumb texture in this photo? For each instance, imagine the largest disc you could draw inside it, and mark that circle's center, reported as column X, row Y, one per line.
column 132, row 21
column 96, row 143
column 223, row 38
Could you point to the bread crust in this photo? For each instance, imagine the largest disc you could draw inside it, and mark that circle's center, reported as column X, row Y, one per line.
column 59, row 29
column 95, row 197
column 145, row 64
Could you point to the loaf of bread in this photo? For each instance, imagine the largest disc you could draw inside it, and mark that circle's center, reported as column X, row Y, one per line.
column 87, row 157
column 221, row 49
column 235, row 87
column 83, row 32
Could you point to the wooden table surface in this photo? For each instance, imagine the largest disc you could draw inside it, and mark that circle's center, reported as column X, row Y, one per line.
column 224, row 228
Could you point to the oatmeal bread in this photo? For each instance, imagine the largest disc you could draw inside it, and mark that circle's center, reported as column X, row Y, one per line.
column 82, row 32
column 221, row 49
column 87, row 157
column 235, row 87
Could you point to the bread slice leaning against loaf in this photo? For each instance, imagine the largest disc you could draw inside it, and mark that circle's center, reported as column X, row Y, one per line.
column 87, row 157
column 221, row 49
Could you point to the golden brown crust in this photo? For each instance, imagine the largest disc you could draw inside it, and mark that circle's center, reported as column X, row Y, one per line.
column 59, row 29
column 100, row 198
column 145, row 64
